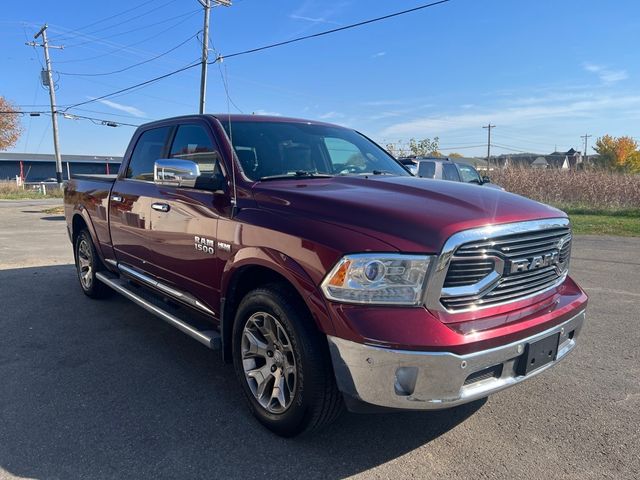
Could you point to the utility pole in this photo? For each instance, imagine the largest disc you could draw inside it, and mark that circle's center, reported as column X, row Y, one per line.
column 489, row 127
column 48, row 81
column 206, row 5
column 585, row 137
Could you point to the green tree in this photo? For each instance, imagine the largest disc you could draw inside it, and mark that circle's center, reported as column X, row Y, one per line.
column 425, row 147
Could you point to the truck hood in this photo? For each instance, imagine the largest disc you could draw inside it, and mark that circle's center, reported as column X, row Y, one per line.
column 410, row 214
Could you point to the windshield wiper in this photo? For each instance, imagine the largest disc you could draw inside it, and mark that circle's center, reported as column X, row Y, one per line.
column 296, row 174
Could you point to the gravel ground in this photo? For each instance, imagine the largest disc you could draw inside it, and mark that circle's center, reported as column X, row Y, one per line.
column 101, row 389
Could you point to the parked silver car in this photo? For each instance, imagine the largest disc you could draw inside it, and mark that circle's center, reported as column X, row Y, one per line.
column 443, row 168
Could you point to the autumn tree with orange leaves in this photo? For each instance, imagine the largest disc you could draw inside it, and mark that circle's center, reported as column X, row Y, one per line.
column 620, row 153
column 10, row 128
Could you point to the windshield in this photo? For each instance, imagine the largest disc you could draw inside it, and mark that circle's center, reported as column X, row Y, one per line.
column 287, row 149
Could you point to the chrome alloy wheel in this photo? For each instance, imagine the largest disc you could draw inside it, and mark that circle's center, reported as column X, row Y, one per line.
column 269, row 363
column 85, row 264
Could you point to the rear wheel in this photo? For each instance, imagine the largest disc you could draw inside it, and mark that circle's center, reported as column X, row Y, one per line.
column 283, row 364
column 87, row 265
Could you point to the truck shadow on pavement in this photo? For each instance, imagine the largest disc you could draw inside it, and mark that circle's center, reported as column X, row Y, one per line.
column 102, row 389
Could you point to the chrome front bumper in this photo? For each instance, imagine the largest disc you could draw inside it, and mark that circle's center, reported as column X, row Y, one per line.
column 435, row 380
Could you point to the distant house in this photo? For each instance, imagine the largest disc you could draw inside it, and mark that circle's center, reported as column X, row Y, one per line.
column 570, row 160
column 36, row 167
column 540, row 162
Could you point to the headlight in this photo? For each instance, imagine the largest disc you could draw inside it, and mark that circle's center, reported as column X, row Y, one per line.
column 378, row 278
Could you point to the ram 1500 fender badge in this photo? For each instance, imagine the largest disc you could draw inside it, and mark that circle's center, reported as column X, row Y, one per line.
column 203, row 244
column 534, row 263
column 225, row 247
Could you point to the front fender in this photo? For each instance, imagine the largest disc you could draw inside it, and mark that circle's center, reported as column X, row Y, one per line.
column 288, row 268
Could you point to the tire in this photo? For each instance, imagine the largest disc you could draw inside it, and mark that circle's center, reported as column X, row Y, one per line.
column 87, row 264
column 273, row 336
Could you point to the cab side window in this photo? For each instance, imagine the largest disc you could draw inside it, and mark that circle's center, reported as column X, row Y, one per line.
column 192, row 143
column 149, row 148
column 450, row 172
column 469, row 174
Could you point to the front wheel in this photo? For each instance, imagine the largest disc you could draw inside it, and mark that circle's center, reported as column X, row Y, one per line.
column 283, row 363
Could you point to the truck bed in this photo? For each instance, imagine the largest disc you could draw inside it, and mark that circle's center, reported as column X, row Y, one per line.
column 87, row 196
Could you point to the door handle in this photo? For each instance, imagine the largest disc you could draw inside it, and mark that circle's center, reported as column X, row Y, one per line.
column 117, row 198
column 161, row 207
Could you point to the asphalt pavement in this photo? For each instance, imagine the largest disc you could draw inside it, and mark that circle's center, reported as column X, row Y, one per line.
column 102, row 389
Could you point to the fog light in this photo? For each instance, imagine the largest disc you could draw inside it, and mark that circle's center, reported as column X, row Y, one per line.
column 406, row 378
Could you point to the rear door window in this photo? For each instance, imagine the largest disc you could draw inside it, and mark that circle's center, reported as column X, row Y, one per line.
column 149, row 148
column 426, row 169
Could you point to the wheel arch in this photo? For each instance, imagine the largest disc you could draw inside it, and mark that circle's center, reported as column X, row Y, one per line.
column 257, row 267
column 79, row 221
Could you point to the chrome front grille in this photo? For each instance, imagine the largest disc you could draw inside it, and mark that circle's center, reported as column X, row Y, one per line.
column 504, row 268
column 467, row 271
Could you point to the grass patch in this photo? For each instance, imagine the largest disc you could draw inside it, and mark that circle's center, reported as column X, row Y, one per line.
column 620, row 225
column 587, row 220
column 607, row 212
column 10, row 191
column 54, row 211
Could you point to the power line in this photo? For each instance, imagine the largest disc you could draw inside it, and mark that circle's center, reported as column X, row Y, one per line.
column 225, row 82
column 66, row 36
column 221, row 57
column 125, row 47
column 524, row 140
column 69, row 116
column 130, row 66
column 131, row 19
column 122, row 90
column 136, row 29
column 98, row 121
column 519, row 150
column 110, row 113
column 460, row 148
column 504, row 147
column 333, row 30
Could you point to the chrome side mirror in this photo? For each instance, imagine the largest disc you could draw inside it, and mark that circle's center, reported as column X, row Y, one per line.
column 175, row 172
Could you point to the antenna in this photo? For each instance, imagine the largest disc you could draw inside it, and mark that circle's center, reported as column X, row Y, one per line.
column 234, row 200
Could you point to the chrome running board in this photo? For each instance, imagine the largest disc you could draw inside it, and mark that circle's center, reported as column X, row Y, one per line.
column 150, row 302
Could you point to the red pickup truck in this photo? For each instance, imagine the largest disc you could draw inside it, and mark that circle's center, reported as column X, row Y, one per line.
column 323, row 270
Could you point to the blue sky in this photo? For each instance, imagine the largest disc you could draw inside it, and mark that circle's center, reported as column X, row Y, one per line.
column 545, row 71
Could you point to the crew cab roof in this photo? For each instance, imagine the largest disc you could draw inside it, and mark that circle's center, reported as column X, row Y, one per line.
column 234, row 117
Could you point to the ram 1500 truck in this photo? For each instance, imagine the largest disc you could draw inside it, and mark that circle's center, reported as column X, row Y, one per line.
column 323, row 270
